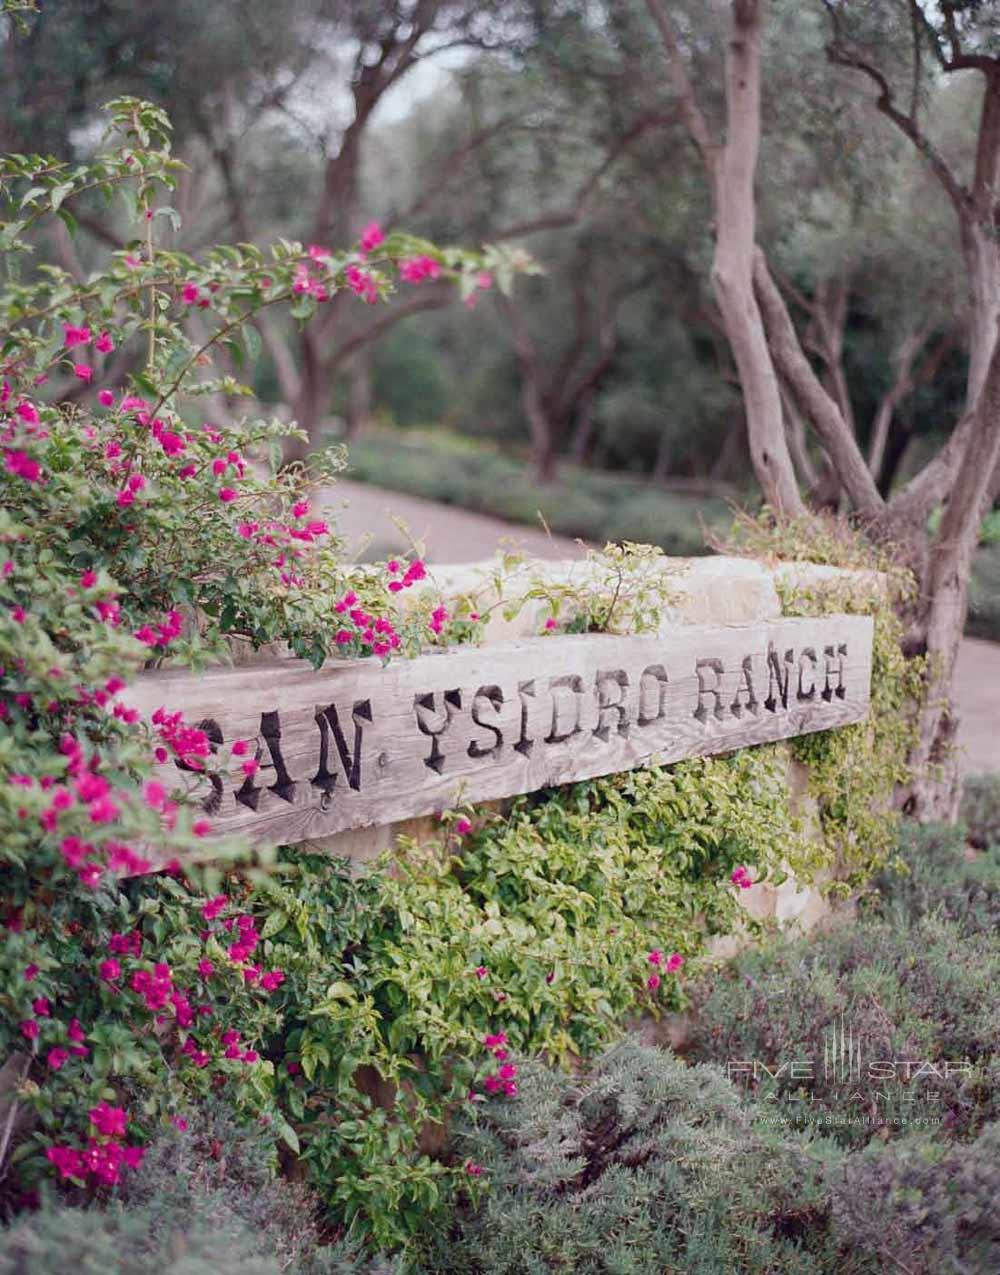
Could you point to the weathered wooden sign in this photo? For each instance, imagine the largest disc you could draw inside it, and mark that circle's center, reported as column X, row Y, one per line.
column 357, row 744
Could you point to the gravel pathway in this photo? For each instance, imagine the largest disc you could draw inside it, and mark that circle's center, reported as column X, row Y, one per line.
column 457, row 535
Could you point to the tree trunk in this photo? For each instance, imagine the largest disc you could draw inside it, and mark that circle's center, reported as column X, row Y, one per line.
column 583, row 427
column 309, row 402
column 661, row 466
column 902, row 383
column 543, row 443
column 359, row 394
column 981, row 251
column 732, row 267
column 935, row 790
column 731, row 170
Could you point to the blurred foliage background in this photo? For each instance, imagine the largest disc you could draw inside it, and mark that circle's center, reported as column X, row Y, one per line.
column 604, row 394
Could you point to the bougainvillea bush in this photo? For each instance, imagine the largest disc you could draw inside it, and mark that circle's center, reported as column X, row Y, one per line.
column 133, row 531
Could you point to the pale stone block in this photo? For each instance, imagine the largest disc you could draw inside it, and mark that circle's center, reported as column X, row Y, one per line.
column 724, row 590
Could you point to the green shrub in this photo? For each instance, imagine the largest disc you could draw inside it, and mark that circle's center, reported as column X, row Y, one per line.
column 220, row 1170
column 939, row 874
column 853, row 772
column 121, row 1241
column 925, row 1206
column 642, row 1165
column 920, row 991
column 980, row 811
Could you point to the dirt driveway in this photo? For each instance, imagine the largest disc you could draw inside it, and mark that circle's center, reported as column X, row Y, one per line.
column 456, row 535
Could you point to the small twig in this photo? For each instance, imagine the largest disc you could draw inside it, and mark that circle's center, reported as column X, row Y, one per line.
column 9, row 1124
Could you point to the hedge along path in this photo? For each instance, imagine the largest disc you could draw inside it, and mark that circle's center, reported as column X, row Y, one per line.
column 358, row 744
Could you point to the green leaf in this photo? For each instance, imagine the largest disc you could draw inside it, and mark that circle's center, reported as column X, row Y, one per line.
column 286, row 1133
column 60, row 193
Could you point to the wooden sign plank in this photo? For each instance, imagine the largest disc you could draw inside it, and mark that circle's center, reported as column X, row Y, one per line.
column 357, row 744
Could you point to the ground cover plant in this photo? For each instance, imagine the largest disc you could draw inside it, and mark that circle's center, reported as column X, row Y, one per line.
column 911, row 979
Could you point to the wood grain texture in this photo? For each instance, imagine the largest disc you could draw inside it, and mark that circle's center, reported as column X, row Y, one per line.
column 356, row 744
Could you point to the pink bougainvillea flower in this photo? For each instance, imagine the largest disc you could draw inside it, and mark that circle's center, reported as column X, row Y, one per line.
column 551, row 624
column 75, row 1032
column 106, row 398
column 57, row 1057
column 202, row 828
column 109, row 1121
column 416, row 269
column 126, row 944
column 674, row 962
column 180, row 1124
column 171, row 443
column 22, row 465
column 473, row 1170
column 73, row 335
column 741, row 877
column 272, row 980
column 41, row 1006
column 362, row 283
column 29, row 1029
column 27, row 412
column 240, row 747
column 463, row 826
column 205, row 968
column 213, row 907
column 371, row 236
column 104, row 344
column 30, row 972
column 90, row 875
column 482, row 972
column 109, row 970
column 655, row 956
column 154, row 794
column 83, row 372
column 653, row 982
column 227, row 494
column 484, row 280
column 68, row 1162
column 190, row 293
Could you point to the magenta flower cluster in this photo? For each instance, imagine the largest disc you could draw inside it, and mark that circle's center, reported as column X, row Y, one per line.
column 104, row 1156
column 741, row 877
column 504, row 1079
column 668, row 964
